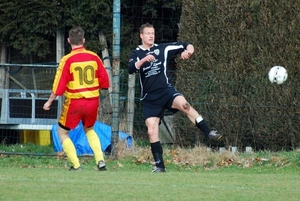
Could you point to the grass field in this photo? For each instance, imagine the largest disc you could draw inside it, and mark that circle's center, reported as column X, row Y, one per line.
column 47, row 178
column 140, row 184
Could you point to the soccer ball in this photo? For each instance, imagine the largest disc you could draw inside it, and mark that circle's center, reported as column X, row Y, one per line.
column 277, row 74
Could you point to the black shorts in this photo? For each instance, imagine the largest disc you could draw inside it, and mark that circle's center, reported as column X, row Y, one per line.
column 155, row 104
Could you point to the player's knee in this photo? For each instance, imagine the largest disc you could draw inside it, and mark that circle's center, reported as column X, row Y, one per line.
column 186, row 106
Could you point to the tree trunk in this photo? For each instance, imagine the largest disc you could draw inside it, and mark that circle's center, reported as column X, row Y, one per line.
column 4, row 77
column 106, row 102
column 130, row 103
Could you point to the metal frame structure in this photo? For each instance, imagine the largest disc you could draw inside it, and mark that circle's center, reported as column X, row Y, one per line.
column 23, row 109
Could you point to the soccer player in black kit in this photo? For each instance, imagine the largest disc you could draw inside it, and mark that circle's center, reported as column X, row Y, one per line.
column 150, row 61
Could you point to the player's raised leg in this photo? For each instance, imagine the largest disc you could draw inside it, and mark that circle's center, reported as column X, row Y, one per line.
column 181, row 104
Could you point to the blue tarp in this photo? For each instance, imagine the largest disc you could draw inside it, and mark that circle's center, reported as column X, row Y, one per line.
column 80, row 141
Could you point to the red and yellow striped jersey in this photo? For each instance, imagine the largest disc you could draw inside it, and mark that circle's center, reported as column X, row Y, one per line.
column 80, row 74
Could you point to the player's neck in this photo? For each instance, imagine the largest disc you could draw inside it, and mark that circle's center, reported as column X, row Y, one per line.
column 147, row 46
column 76, row 46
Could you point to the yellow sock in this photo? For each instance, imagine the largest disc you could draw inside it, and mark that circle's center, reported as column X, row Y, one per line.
column 70, row 151
column 94, row 142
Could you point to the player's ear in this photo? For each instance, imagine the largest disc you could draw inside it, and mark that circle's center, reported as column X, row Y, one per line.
column 68, row 39
column 83, row 40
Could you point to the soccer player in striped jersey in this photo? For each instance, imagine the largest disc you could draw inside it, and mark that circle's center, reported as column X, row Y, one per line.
column 80, row 77
column 150, row 60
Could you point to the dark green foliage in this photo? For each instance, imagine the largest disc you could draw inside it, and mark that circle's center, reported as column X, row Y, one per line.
column 28, row 25
column 93, row 16
column 236, row 43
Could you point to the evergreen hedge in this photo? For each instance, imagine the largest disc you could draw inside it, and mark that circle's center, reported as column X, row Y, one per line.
column 236, row 43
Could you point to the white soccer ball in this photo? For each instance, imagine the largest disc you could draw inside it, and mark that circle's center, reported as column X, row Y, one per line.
column 277, row 74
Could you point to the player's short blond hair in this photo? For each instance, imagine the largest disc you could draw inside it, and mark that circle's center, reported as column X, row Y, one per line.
column 146, row 25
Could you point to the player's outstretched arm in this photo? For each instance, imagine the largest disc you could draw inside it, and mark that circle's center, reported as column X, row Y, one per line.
column 188, row 52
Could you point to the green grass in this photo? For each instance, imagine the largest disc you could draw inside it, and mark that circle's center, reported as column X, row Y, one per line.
column 138, row 183
column 37, row 177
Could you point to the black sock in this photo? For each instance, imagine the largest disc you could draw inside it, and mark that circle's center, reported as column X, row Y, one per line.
column 202, row 125
column 157, row 152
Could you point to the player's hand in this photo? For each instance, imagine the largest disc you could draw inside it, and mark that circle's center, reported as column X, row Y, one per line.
column 149, row 58
column 186, row 55
column 47, row 106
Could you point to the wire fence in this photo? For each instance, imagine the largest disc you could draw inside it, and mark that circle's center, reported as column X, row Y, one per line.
column 244, row 106
column 249, row 111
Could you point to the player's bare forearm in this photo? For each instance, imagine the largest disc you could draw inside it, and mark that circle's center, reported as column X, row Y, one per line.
column 49, row 102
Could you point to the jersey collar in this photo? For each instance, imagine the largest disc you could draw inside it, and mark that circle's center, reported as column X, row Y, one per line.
column 141, row 47
column 78, row 48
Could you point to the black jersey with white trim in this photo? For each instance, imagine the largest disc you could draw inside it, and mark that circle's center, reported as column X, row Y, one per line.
column 153, row 75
